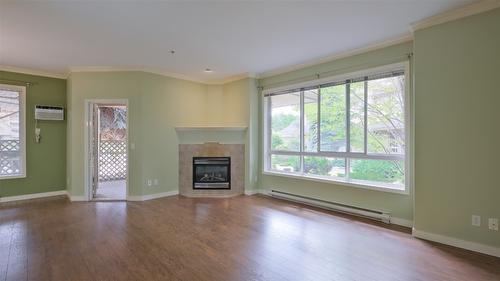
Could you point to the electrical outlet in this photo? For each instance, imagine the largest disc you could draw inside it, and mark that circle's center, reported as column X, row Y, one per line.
column 493, row 224
column 155, row 182
column 150, row 182
column 476, row 220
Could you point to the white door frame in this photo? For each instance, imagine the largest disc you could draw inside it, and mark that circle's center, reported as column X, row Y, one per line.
column 89, row 104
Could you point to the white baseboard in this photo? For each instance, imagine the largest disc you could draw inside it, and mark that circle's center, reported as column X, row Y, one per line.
column 468, row 245
column 74, row 198
column 211, row 195
column 32, row 196
column 152, row 196
column 252, row 192
column 263, row 191
column 402, row 222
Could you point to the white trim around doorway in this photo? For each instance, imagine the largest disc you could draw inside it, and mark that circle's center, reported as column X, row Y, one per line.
column 88, row 105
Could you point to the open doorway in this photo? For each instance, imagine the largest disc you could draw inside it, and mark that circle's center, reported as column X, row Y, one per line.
column 108, row 151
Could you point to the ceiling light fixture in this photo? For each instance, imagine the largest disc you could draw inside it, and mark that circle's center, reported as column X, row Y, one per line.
column 208, row 70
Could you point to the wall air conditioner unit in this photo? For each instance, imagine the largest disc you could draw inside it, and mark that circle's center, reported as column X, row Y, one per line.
column 43, row 112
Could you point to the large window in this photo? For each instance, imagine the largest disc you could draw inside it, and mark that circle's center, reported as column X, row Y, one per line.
column 12, row 132
column 352, row 129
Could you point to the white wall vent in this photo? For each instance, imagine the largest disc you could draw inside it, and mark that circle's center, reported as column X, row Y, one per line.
column 43, row 112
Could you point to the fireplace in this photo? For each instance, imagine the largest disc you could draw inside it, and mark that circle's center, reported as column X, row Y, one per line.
column 211, row 172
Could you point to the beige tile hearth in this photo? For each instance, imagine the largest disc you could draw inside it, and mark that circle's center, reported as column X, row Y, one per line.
column 188, row 151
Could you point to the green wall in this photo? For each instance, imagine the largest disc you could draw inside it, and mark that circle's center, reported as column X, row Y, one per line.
column 399, row 205
column 46, row 161
column 455, row 72
column 457, row 67
column 157, row 104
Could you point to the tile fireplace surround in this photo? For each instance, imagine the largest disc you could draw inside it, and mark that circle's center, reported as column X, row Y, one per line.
column 188, row 151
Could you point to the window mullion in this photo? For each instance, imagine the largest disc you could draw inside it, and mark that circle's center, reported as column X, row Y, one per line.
column 301, row 131
column 365, row 108
column 348, row 126
column 348, row 116
column 347, row 168
column 269, row 132
column 318, row 126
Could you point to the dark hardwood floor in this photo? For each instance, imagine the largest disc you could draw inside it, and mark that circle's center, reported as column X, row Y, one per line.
column 242, row 238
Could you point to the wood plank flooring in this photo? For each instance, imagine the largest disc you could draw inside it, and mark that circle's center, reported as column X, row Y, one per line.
column 241, row 238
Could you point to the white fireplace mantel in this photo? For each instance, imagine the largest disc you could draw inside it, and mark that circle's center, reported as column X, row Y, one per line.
column 211, row 128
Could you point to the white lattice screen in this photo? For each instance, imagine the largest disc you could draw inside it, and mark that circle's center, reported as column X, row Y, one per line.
column 10, row 157
column 112, row 160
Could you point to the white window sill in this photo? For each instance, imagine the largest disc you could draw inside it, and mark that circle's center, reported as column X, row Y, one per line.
column 9, row 177
column 391, row 188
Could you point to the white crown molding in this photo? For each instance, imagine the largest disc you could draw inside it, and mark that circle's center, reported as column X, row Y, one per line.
column 36, row 72
column 162, row 73
column 231, row 79
column 32, row 196
column 462, row 12
column 468, row 245
column 365, row 49
column 465, row 11
column 76, row 69
column 121, row 69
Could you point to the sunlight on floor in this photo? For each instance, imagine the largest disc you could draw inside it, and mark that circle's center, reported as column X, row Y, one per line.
column 112, row 190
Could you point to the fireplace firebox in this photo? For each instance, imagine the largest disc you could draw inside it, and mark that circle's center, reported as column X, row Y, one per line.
column 211, row 172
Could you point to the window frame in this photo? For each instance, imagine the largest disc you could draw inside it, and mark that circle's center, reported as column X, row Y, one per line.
column 22, row 128
column 408, row 114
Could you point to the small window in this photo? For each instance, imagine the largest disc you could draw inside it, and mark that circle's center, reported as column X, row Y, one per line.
column 12, row 132
column 352, row 130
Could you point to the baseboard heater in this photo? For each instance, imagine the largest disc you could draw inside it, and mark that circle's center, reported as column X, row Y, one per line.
column 338, row 207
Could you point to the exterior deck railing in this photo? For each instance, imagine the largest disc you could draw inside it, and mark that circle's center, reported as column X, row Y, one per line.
column 10, row 157
column 112, row 160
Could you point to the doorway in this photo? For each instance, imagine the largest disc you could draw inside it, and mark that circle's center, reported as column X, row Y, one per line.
column 108, row 153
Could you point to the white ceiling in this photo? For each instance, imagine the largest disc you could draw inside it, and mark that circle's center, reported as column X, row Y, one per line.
column 232, row 38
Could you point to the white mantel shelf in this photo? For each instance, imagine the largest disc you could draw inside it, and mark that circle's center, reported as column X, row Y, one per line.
column 212, row 128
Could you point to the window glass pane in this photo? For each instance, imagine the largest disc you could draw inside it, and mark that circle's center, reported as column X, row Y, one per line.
column 285, row 122
column 324, row 166
column 386, row 131
column 385, row 171
column 285, row 163
column 311, row 120
column 357, row 117
column 10, row 148
column 333, row 118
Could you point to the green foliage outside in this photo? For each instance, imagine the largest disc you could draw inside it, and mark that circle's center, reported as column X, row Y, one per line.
column 282, row 121
column 286, row 161
column 317, row 165
column 377, row 170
